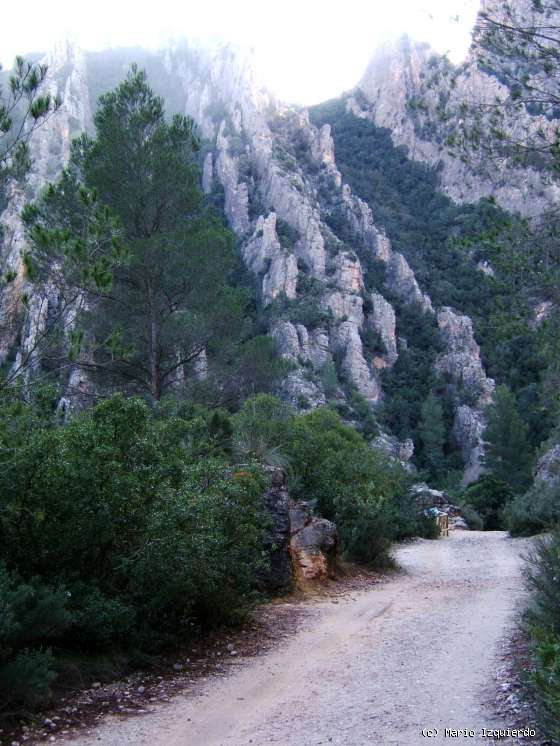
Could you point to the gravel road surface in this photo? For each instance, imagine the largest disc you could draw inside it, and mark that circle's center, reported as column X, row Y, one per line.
column 376, row 667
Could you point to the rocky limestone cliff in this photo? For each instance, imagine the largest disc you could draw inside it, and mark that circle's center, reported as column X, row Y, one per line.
column 300, row 228
column 418, row 95
column 49, row 149
column 461, row 369
column 548, row 468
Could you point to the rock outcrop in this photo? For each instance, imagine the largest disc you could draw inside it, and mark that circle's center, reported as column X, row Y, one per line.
column 461, row 369
column 313, row 545
column 548, row 468
column 277, row 576
column 300, row 547
column 383, row 321
column 429, row 500
column 419, row 96
column 398, row 450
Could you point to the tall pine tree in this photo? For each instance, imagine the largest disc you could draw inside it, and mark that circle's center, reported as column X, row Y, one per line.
column 508, row 454
column 151, row 328
column 432, row 435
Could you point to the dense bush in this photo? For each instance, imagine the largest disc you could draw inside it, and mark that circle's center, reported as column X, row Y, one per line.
column 30, row 616
column 140, row 518
column 536, row 511
column 473, row 518
column 332, row 466
column 114, row 502
column 146, row 523
column 488, row 496
column 544, row 628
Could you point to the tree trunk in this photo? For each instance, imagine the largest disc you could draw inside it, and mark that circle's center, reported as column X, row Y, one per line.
column 155, row 361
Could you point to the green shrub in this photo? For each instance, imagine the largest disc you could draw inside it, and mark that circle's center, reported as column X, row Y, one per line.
column 287, row 235
column 545, row 681
column 367, row 530
column 329, row 379
column 141, row 518
column 331, row 466
column 543, row 576
column 350, row 483
column 99, row 622
column 487, row 497
column 536, row 511
column 473, row 518
column 361, row 411
column 543, row 617
column 30, row 615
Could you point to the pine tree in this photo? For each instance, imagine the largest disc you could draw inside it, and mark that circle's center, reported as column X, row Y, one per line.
column 508, row 454
column 161, row 311
column 432, row 435
column 22, row 110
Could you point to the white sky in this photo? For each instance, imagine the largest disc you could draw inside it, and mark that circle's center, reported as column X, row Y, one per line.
column 306, row 50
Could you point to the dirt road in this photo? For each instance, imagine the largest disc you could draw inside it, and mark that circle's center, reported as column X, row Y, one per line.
column 377, row 667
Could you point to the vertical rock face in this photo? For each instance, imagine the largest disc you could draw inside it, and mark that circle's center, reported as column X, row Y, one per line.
column 313, row 545
column 403, row 89
column 265, row 256
column 383, row 321
column 461, row 368
column 354, row 365
column 402, row 281
column 208, row 173
column 278, row 575
column 49, row 148
column 269, row 159
column 300, row 547
column 548, row 468
column 12, row 246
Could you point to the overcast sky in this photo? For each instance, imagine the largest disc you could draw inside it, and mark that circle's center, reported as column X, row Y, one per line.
column 306, row 50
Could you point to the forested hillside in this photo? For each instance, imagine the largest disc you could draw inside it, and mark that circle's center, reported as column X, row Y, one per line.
column 457, row 253
column 225, row 321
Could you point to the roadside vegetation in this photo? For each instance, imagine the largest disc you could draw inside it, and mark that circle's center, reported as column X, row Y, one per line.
column 131, row 513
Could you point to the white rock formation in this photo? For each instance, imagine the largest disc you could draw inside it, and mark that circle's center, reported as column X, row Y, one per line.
column 383, row 321
column 461, row 367
column 404, row 72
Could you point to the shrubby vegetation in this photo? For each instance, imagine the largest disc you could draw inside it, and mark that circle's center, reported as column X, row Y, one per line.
column 143, row 508
column 128, row 526
column 332, row 466
column 142, row 531
column 146, row 522
column 543, row 621
column 488, row 496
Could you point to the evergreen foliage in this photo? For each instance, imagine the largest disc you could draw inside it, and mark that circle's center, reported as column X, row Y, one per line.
column 432, row 434
column 488, row 496
column 543, row 621
column 31, row 614
column 154, row 287
column 23, row 109
column 507, row 452
column 151, row 321
column 333, row 467
column 140, row 521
